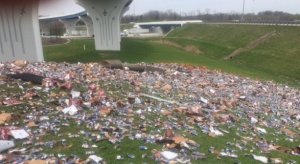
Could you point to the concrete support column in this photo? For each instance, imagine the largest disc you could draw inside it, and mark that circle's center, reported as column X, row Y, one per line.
column 19, row 31
column 70, row 25
column 89, row 24
column 106, row 15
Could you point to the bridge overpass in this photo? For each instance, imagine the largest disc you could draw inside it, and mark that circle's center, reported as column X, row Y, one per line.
column 165, row 26
column 20, row 31
column 69, row 20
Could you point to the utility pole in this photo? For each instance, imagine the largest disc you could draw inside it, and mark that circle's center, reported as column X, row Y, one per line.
column 242, row 19
column 133, row 8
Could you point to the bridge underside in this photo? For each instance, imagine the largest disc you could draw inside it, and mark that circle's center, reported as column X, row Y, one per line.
column 89, row 24
column 70, row 25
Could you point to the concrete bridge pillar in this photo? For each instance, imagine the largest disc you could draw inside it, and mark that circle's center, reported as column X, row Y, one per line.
column 70, row 25
column 106, row 15
column 19, row 31
column 89, row 24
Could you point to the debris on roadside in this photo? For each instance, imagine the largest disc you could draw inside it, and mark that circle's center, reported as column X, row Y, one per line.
column 79, row 113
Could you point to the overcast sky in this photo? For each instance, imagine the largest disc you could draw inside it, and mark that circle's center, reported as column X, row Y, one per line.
column 58, row 7
column 140, row 6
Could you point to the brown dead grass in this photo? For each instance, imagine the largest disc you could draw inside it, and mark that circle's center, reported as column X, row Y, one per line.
column 193, row 49
column 54, row 41
column 189, row 48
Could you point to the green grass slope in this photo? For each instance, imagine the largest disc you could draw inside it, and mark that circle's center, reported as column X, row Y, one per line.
column 276, row 59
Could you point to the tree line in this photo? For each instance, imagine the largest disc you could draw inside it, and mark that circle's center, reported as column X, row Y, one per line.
column 265, row 16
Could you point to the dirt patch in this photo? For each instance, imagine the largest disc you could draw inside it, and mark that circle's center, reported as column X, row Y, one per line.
column 189, row 48
column 193, row 49
column 251, row 45
column 54, row 41
column 168, row 43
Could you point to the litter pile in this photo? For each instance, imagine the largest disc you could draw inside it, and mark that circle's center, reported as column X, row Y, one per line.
column 76, row 113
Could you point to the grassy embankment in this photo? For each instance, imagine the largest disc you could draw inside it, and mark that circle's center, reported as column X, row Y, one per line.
column 276, row 58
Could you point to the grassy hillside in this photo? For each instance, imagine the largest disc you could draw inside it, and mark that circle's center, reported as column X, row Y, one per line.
column 276, row 59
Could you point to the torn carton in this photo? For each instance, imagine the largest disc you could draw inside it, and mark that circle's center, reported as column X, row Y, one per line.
column 5, row 117
column 19, row 134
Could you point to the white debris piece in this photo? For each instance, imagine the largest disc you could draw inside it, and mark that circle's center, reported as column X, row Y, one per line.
column 260, row 158
column 94, row 146
column 38, row 88
column 67, row 77
column 276, row 161
column 215, row 132
column 168, row 155
column 19, row 134
column 298, row 117
column 119, row 157
column 138, row 111
column 261, row 130
column 75, row 94
column 203, row 100
column 95, row 158
column 87, row 104
column 137, row 101
column 5, row 145
column 138, row 136
column 242, row 97
column 72, row 110
column 44, row 118
column 253, row 120
column 228, row 154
